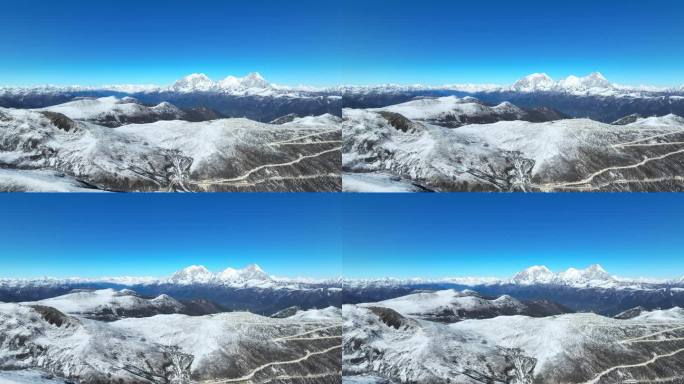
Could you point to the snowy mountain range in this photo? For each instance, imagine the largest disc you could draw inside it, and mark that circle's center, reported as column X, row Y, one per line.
column 591, row 289
column 254, row 83
column 250, row 276
column 592, row 84
column 108, row 337
column 120, row 144
column 593, row 276
column 250, row 84
column 405, row 340
column 199, row 82
column 493, row 151
column 254, row 97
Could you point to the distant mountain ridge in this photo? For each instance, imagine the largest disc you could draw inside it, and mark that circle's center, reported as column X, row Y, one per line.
column 250, row 275
column 197, row 288
column 592, row 276
column 255, row 97
column 591, row 289
column 255, row 83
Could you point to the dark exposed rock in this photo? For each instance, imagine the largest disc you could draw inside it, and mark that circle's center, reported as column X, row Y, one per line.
column 201, row 113
column 60, row 121
column 542, row 114
column 390, row 317
column 397, row 120
column 51, row 315
column 287, row 312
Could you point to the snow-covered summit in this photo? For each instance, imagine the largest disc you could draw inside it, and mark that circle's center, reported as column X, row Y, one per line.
column 593, row 275
column 535, row 274
column 580, row 276
column 199, row 82
column 593, row 80
column 534, row 82
column 198, row 274
column 592, row 84
column 194, row 274
column 193, row 83
column 250, row 272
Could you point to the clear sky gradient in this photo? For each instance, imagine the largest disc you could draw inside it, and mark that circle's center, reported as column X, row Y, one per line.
column 327, row 42
column 156, row 234
column 472, row 234
column 327, row 235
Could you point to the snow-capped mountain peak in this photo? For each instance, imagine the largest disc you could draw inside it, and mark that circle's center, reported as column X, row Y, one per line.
column 193, row 82
column 534, row 82
column 250, row 272
column 592, row 273
column 536, row 274
column 197, row 274
column 539, row 274
column 229, row 82
column 199, row 82
column 541, row 82
column 254, row 80
column 192, row 274
column 593, row 80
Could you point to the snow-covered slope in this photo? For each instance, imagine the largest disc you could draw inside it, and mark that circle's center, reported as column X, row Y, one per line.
column 110, row 304
column 613, row 351
column 376, row 182
column 166, row 349
column 380, row 341
column 219, row 155
column 450, row 306
column 114, row 112
column 326, row 120
column 325, row 314
column 249, row 347
column 673, row 314
column 563, row 155
column 570, row 348
column 39, row 337
column 433, row 302
column 21, row 180
column 453, row 112
column 28, row 377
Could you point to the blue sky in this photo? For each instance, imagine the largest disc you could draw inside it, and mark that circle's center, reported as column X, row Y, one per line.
column 325, row 42
column 157, row 234
column 472, row 234
column 325, row 235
